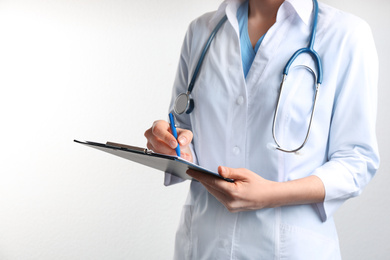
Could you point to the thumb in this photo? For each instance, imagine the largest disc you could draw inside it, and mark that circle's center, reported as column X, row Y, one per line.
column 184, row 136
column 230, row 173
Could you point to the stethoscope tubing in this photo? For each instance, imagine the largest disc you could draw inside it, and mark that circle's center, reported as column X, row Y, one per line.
column 315, row 56
column 318, row 79
column 278, row 146
column 205, row 49
column 310, row 49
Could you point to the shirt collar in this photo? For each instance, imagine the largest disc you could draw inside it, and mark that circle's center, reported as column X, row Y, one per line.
column 303, row 8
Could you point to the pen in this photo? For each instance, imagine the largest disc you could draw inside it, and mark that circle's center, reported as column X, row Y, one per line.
column 174, row 132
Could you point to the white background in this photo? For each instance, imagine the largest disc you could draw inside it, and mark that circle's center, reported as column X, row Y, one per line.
column 103, row 70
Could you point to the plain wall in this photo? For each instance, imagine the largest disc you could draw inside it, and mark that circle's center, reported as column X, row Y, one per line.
column 102, row 70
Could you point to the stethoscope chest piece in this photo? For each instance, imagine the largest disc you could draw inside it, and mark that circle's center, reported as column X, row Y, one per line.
column 183, row 103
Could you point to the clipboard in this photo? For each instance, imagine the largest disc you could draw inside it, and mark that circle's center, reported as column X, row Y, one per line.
column 172, row 164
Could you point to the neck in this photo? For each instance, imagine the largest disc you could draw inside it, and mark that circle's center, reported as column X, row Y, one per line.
column 262, row 15
column 267, row 9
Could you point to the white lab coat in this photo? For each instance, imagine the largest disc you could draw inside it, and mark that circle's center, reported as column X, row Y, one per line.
column 232, row 126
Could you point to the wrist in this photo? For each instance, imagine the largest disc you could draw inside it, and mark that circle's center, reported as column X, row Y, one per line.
column 296, row 192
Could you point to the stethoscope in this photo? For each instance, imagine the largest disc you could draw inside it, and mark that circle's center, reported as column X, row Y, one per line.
column 184, row 103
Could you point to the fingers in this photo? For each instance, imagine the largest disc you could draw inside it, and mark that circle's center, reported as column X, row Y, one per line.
column 184, row 136
column 161, row 140
column 232, row 173
column 212, row 182
column 161, row 130
column 223, row 191
column 248, row 191
column 240, row 176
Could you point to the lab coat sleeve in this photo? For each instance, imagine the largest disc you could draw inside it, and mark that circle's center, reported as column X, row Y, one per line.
column 353, row 154
column 180, row 86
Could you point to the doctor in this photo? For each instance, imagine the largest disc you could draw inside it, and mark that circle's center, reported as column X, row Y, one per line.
column 281, row 205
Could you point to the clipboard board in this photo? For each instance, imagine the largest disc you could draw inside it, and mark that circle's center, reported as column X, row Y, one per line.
column 166, row 163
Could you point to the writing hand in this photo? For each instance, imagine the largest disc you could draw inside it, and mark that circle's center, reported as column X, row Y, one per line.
column 160, row 140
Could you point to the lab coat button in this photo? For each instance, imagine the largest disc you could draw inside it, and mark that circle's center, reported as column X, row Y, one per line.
column 240, row 100
column 236, row 150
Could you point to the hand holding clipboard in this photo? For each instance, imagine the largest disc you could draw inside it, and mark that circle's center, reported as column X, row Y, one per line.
column 171, row 164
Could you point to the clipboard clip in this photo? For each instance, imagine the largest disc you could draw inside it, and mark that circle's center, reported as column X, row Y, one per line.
column 129, row 147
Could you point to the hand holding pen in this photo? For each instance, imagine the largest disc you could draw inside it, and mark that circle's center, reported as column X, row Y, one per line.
column 161, row 139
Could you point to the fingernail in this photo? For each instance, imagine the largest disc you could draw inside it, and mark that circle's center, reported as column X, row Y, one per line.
column 182, row 140
column 172, row 144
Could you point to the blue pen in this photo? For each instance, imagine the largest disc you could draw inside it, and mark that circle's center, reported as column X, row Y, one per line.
column 174, row 132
